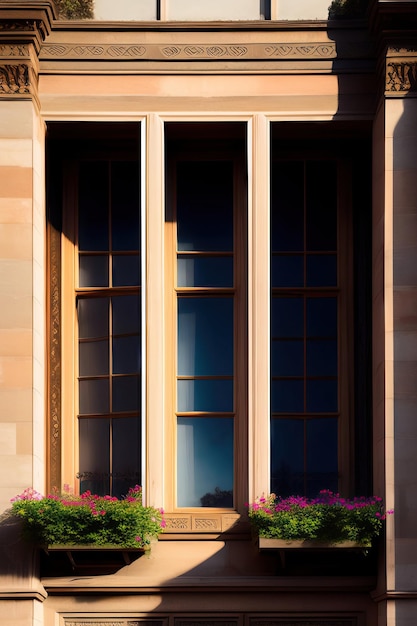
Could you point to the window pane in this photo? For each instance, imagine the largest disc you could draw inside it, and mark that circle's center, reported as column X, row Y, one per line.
column 125, row 199
column 287, row 317
column 94, row 455
column 287, row 396
column 126, row 270
column 287, row 358
column 205, row 200
column 94, row 271
column 93, row 318
column 287, row 457
column 321, row 199
column 321, row 270
column 205, row 395
column 205, row 462
column 287, row 206
column 322, row 396
column 322, row 455
column 125, row 314
column 321, row 357
column 94, row 396
column 322, row 317
column 205, row 336
column 126, row 355
column 93, row 358
column 93, row 218
column 287, row 271
column 193, row 271
column 126, row 444
column 126, row 393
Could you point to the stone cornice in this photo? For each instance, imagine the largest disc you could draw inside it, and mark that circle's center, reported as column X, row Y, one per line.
column 26, row 22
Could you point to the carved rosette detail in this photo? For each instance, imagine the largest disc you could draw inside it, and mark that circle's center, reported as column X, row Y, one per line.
column 14, row 79
column 401, row 75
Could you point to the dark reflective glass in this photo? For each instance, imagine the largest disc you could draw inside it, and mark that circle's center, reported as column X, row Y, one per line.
column 205, row 336
column 287, row 271
column 321, row 203
column 126, row 314
column 287, row 317
column 287, row 358
column 93, row 358
column 93, row 318
column 126, row 270
column 205, row 462
column 322, row 396
column 126, row 447
column 287, row 206
column 95, row 455
column 126, row 393
column 322, row 447
column 126, row 355
column 205, row 395
column 205, row 205
column 94, row 271
column 193, row 271
column 321, row 357
column 321, row 270
column 287, row 456
column 93, row 203
column 287, row 396
column 94, row 396
column 322, row 317
column 125, row 203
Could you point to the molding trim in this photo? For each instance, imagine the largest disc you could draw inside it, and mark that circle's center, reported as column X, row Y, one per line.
column 401, row 75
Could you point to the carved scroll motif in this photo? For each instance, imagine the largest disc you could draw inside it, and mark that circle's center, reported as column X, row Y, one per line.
column 14, row 79
column 401, row 76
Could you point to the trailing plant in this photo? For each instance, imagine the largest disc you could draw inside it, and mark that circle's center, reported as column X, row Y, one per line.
column 74, row 9
column 88, row 519
column 327, row 518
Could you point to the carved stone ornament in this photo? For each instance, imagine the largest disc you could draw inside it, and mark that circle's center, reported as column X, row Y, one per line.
column 14, row 50
column 14, row 79
column 401, row 75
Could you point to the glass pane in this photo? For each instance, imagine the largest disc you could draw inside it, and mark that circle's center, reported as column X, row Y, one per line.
column 322, row 396
column 94, row 455
column 126, row 314
column 93, row 318
column 93, row 227
column 205, row 271
column 287, row 317
column 93, row 358
column 205, row 336
column 126, row 393
column 321, row 357
column 126, row 270
column 287, row 396
column 126, row 445
column 287, row 271
column 321, row 270
column 322, row 317
column 94, row 396
column 205, row 205
column 94, row 271
column 322, row 463
column 287, row 206
column 287, row 358
column 125, row 199
column 205, row 462
column 321, row 195
column 126, row 355
column 205, row 395
column 287, row 457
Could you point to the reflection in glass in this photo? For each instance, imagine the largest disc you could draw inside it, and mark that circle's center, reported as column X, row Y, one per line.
column 201, row 271
column 126, row 446
column 95, row 455
column 125, row 199
column 125, row 314
column 205, row 462
column 93, row 204
column 322, row 445
column 287, row 456
column 93, row 318
column 287, row 396
column 287, row 358
column 126, row 393
column 94, row 358
column 287, row 271
column 94, row 396
column 205, row 395
column 94, row 271
column 126, row 270
column 126, row 355
column 287, row 206
column 287, row 317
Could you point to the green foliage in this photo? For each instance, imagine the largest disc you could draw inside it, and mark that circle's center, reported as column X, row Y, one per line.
column 328, row 518
column 347, row 9
column 74, row 9
column 88, row 519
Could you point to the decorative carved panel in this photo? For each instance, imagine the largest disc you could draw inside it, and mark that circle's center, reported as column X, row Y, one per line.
column 401, row 75
column 14, row 79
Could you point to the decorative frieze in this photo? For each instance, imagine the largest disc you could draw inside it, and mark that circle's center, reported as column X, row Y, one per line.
column 175, row 52
column 14, row 79
column 401, row 75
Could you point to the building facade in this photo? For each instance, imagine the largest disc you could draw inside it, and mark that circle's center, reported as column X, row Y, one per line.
column 208, row 286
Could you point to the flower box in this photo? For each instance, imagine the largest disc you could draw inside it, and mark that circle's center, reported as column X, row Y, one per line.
column 267, row 543
column 91, row 560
